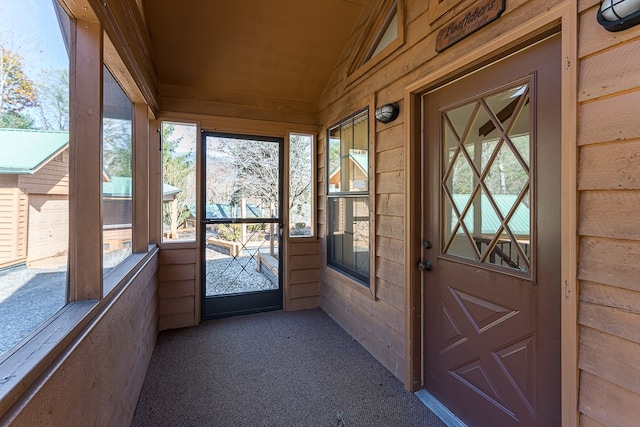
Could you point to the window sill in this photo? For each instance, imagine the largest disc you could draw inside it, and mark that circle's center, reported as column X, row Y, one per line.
column 303, row 238
column 125, row 271
column 178, row 244
column 21, row 367
column 349, row 281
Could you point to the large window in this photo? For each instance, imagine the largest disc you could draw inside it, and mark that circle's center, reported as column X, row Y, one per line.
column 68, row 183
column 348, row 197
column 117, row 167
column 34, row 166
column 301, row 194
column 178, row 181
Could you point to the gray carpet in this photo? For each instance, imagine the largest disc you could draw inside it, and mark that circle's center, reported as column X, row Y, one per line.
column 272, row 369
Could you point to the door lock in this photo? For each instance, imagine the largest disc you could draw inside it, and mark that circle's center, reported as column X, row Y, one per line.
column 424, row 266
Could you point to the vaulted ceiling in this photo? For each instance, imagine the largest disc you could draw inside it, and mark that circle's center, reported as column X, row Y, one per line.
column 263, row 51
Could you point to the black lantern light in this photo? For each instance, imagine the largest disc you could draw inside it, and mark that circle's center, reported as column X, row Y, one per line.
column 618, row 15
column 387, row 113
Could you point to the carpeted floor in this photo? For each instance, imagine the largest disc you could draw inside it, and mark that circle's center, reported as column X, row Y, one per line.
column 272, row 369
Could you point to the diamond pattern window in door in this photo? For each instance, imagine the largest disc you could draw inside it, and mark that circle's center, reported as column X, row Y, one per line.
column 486, row 179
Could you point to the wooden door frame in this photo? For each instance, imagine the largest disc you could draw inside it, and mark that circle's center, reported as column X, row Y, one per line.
column 563, row 16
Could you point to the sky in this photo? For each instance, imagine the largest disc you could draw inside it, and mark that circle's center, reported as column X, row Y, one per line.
column 189, row 140
column 30, row 28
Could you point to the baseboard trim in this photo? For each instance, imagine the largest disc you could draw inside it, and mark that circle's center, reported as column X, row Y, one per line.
column 439, row 409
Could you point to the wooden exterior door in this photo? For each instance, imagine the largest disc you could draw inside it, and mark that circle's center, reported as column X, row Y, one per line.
column 491, row 250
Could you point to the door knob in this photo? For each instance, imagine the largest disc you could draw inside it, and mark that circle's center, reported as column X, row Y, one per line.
column 424, row 266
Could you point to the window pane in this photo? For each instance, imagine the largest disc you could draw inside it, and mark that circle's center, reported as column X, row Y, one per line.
column 486, row 180
column 334, row 160
column 349, row 235
column 348, row 163
column 348, row 215
column 117, row 182
column 300, row 185
column 251, row 188
column 359, row 154
column 388, row 34
column 34, row 166
column 178, row 181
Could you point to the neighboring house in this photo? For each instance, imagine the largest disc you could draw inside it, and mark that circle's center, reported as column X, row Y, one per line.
column 118, row 210
column 34, row 198
column 358, row 171
column 117, row 213
column 34, row 193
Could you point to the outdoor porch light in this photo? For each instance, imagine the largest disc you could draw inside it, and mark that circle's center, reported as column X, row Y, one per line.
column 618, row 15
column 388, row 112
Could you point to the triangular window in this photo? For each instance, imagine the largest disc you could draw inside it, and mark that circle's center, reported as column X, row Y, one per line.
column 382, row 35
column 388, row 33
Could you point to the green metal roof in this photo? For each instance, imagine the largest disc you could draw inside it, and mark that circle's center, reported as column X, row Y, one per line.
column 519, row 223
column 117, row 186
column 225, row 210
column 25, row 151
column 121, row 187
column 361, row 160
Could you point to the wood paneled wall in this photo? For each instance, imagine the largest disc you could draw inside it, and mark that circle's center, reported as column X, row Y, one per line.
column 379, row 323
column 609, row 224
column 98, row 379
column 178, row 287
column 301, row 274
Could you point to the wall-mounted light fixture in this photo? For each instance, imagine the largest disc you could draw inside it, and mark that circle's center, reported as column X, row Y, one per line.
column 618, row 15
column 387, row 113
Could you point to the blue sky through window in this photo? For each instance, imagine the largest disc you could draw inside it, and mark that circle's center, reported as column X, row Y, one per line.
column 30, row 28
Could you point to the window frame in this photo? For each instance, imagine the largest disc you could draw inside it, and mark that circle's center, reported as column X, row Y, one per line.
column 287, row 186
column 375, row 27
column 366, row 288
column 89, row 294
column 107, row 69
column 176, row 244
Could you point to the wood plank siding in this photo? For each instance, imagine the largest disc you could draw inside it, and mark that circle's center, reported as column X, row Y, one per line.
column 301, row 284
column 13, row 226
column 609, row 229
column 378, row 322
column 101, row 374
column 52, row 178
column 48, row 221
column 178, row 288
column 600, row 228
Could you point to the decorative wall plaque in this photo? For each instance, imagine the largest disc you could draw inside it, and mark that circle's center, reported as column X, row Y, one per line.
column 469, row 21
